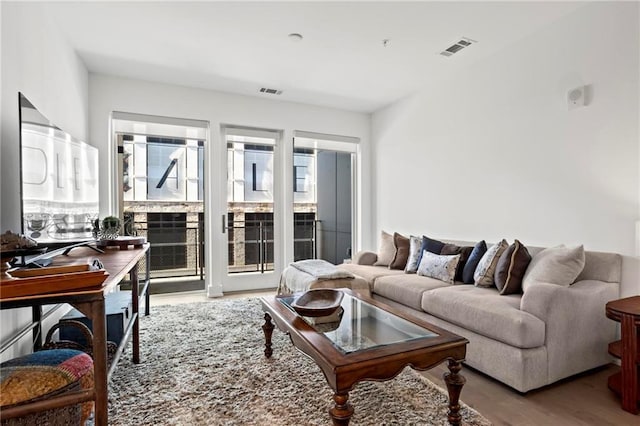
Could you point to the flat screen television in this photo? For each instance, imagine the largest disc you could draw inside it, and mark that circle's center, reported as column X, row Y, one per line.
column 59, row 181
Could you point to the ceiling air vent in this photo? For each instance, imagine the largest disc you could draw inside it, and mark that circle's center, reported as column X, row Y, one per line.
column 458, row 46
column 270, row 91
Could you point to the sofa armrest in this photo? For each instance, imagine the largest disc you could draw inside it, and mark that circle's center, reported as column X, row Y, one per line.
column 577, row 331
column 365, row 258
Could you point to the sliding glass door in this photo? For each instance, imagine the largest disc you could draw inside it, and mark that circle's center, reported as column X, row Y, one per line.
column 252, row 244
column 324, row 211
column 160, row 193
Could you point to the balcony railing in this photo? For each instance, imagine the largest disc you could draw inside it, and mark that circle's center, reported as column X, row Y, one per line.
column 250, row 246
column 177, row 243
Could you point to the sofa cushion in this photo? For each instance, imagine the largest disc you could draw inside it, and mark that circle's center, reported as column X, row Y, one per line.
column 401, row 243
column 415, row 252
column 605, row 267
column 464, row 253
column 555, row 265
column 485, row 271
column 472, row 263
column 486, row 312
column 386, row 250
column 511, row 268
column 440, row 267
column 369, row 273
column 406, row 289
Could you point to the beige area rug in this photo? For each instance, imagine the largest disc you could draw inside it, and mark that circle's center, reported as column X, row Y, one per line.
column 203, row 364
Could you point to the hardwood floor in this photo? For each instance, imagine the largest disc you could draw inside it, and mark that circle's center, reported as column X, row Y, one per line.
column 581, row 400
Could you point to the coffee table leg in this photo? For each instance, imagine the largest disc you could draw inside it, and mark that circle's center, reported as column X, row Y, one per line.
column 342, row 411
column 268, row 331
column 454, row 382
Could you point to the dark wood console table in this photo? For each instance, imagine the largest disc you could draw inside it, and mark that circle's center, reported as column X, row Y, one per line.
column 625, row 383
column 118, row 263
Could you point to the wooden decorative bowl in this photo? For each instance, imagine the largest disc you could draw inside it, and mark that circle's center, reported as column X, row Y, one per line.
column 318, row 302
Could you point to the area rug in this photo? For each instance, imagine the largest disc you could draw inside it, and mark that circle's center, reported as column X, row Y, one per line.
column 203, row 364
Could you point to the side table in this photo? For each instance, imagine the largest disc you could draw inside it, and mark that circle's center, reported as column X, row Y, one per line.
column 625, row 383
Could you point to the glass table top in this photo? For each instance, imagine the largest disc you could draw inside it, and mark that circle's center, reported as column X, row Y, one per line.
column 358, row 325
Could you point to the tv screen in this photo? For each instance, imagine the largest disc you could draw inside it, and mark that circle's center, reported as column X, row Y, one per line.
column 59, row 177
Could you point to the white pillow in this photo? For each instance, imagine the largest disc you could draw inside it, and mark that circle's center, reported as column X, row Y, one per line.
column 386, row 250
column 555, row 265
column 486, row 269
column 440, row 267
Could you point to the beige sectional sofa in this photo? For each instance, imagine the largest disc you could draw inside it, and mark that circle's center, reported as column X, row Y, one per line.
column 524, row 340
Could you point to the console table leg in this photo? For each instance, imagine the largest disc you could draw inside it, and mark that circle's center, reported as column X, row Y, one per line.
column 342, row 411
column 454, row 382
column 101, row 380
column 268, row 331
column 135, row 301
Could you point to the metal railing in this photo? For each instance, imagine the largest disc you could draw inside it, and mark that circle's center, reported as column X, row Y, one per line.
column 250, row 246
column 252, row 250
column 178, row 244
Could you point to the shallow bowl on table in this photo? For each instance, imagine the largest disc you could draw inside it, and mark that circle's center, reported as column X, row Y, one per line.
column 318, row 302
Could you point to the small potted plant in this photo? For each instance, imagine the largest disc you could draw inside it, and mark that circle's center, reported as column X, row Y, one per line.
column 110, row 227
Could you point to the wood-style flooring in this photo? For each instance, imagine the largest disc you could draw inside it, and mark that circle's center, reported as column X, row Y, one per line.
column 580, row 400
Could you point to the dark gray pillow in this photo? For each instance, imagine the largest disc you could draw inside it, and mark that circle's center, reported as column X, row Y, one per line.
column 511, row 268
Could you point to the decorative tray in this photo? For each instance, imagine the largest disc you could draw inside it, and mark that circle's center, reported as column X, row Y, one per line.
column 29, row 282
column 318, row 302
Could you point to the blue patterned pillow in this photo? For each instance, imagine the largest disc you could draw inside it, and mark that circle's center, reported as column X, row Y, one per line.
column 415, row 252
column 442, row 268
column 486, row 269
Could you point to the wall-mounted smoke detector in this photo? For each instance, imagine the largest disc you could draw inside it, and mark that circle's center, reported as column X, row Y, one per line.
column 458, row 46
column 270, row 91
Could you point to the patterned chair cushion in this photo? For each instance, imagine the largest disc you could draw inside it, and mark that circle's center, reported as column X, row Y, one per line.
column 42, row 375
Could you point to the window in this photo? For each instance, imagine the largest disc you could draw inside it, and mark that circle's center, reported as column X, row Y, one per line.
column 304, row 175
column 162, row 169
column 300, row 178
column 256, row 178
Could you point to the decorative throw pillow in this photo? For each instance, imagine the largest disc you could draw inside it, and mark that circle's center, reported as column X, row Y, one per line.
column 415, row 252
column 401, row 244
column 442, row 268
column 511, row 268
column 556, row 265
column 472, row 263
column 430, row 245
column 483, row 276
column 464, row 253
column 386, row 250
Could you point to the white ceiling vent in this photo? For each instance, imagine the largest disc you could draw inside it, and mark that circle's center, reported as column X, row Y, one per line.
column 270, row 91
column 458, row 46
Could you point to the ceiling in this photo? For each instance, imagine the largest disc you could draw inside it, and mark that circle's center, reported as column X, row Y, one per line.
column 239, row 47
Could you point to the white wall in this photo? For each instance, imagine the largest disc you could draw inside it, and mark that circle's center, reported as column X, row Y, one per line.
column 492, row 152
column 37, row 61
column 109, row 94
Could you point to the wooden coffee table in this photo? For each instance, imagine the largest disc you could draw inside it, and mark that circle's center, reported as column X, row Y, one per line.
column 372, row 341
